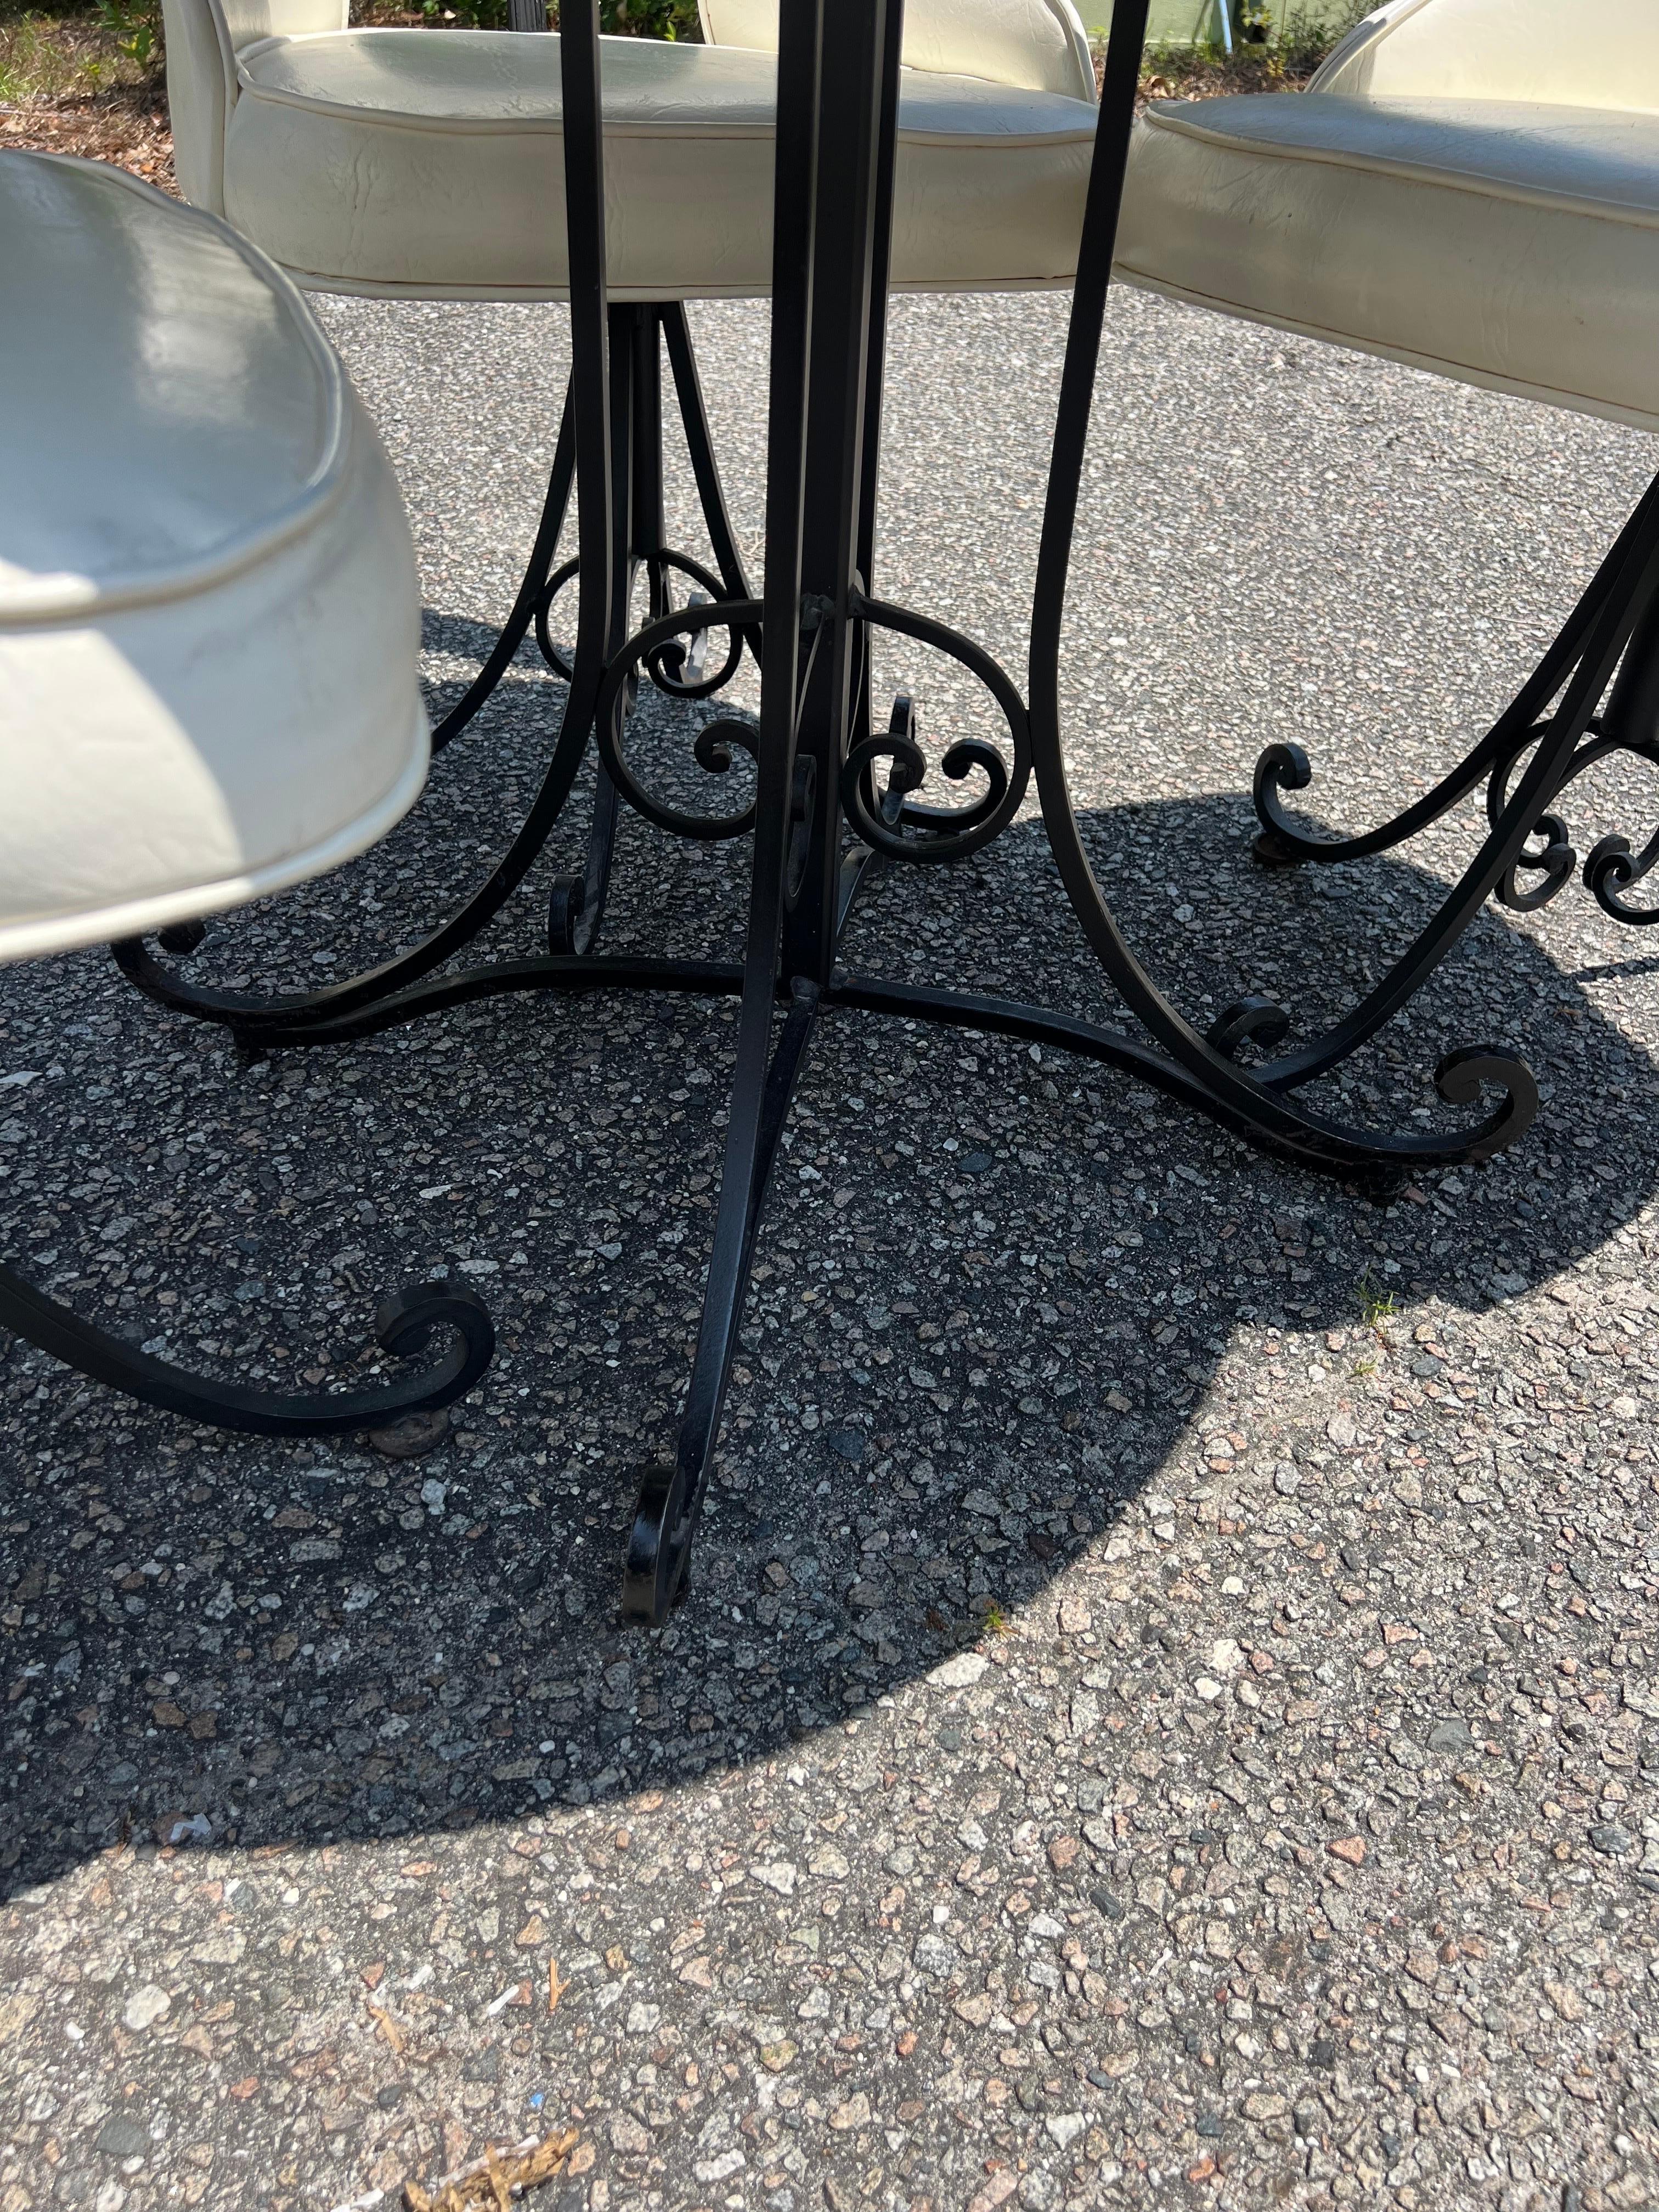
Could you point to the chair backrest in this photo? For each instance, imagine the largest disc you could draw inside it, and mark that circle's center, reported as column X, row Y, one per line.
column 203, row 38
column 1569, row 53
column 1038, row 45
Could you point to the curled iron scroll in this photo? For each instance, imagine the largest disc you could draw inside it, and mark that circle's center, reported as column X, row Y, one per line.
column 713, row 748
column 936, row 833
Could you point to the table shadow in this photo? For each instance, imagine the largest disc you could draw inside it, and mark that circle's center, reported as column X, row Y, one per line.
column 990, row 1377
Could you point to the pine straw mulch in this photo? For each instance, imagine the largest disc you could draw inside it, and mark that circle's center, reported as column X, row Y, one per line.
column 126, row 126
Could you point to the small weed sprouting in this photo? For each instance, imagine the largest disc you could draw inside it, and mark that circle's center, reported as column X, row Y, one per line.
column 38, row 61
column 996, row 1620
column 1376, row 1306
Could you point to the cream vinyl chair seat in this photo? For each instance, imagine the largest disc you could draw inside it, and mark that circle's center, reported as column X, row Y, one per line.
column 431, row 163
column 1468, row 185
column 208, row 627
column 209, row 622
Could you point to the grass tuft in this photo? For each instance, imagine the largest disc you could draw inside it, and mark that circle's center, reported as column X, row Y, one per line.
column 51, row 57
column 1376, row 1306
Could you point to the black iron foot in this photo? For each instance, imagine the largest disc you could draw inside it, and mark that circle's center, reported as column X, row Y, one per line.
column 566, row 897
column 665, row 1516
column 404, row 1326
column 1270, row 850
column 659, row 1547
column 1263, row 1021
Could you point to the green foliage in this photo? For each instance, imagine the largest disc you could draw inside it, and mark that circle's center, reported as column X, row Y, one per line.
column 135, row 29
column 470, row 15
column 74, row 51
column 1272, row 42
column 1307, row 34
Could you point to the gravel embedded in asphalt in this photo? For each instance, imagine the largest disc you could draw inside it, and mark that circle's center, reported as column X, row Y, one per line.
column 1168, row 1709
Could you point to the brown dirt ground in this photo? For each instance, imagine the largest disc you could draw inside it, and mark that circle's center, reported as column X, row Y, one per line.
column 128, row 126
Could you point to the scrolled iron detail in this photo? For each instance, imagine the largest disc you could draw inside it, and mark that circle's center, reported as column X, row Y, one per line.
column 714, row 746
column 667, row 662
column 565, row 573
column 1548, row 853
column 1555, row 861
column 1462, row 1076
column 671, row 666
column 1254, row 1019
column 1548, row 857
column 882, row 818
column 714, row 741
column 1282, row 768
column 939, row 833
column 1610, row 868
column 404, row 1326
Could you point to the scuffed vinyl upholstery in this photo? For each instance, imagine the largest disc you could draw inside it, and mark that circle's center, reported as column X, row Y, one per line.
column 1501, row 238
column 203, row 39
column 431, row 163
column 434, row 162
column 209, row 618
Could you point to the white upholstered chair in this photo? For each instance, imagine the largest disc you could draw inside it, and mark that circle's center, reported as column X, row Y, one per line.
column 429, row 163
column 208, row 621
column 1470, row 186
column 208, row 625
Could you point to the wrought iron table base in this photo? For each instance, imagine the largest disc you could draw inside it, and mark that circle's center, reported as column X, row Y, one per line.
column 834, row 792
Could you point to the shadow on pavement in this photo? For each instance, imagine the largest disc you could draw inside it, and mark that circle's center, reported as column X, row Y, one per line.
column 994, row 1291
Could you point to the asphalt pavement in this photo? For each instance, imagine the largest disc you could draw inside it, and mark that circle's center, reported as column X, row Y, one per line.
column 1167, row 1708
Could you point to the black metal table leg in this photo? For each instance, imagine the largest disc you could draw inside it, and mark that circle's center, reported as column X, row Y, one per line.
column 532, row 597
column 569, row 917
column 671, row 1497
column 763, row 1081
